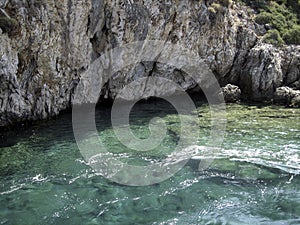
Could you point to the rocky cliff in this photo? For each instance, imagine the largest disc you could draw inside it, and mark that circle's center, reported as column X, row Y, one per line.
column 46, row 46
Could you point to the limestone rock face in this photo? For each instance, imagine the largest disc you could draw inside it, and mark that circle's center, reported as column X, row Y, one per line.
column 267, row 68
column 52, row 44
column 41, row 63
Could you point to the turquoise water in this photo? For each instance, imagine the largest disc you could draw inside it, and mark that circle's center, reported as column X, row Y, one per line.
column 252, row 180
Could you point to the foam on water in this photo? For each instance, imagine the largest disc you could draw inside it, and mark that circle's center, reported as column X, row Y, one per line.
column 254, row 178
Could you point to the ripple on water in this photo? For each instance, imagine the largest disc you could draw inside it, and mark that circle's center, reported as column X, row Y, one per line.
column 253, row 179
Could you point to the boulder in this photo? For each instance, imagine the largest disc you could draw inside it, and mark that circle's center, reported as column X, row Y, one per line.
column 231, row 93
column 288, row 96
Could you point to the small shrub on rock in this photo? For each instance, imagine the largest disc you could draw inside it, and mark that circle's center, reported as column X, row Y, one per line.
column 273, row 37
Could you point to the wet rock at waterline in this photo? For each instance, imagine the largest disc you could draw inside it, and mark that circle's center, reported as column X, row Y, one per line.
column 231, row 93
column 287, row 96
column 54, row 43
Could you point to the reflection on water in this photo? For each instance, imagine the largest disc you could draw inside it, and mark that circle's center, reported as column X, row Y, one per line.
column 253, row 179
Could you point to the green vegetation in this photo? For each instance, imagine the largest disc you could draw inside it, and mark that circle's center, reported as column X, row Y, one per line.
column 225, row 2
column 273, row 37
column 282, row 18
column 212, row 10
column 218, row 7
column 292, row 36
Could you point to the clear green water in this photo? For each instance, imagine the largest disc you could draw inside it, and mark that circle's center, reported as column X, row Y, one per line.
column 253, row 179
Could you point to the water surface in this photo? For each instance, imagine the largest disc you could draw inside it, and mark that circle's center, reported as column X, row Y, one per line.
column 253, row 179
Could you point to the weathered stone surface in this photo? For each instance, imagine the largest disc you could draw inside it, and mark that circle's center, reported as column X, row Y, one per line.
column 43, row 61
column 262, row 71
column 287, row 96
column 39, row 65
column 231, row 93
